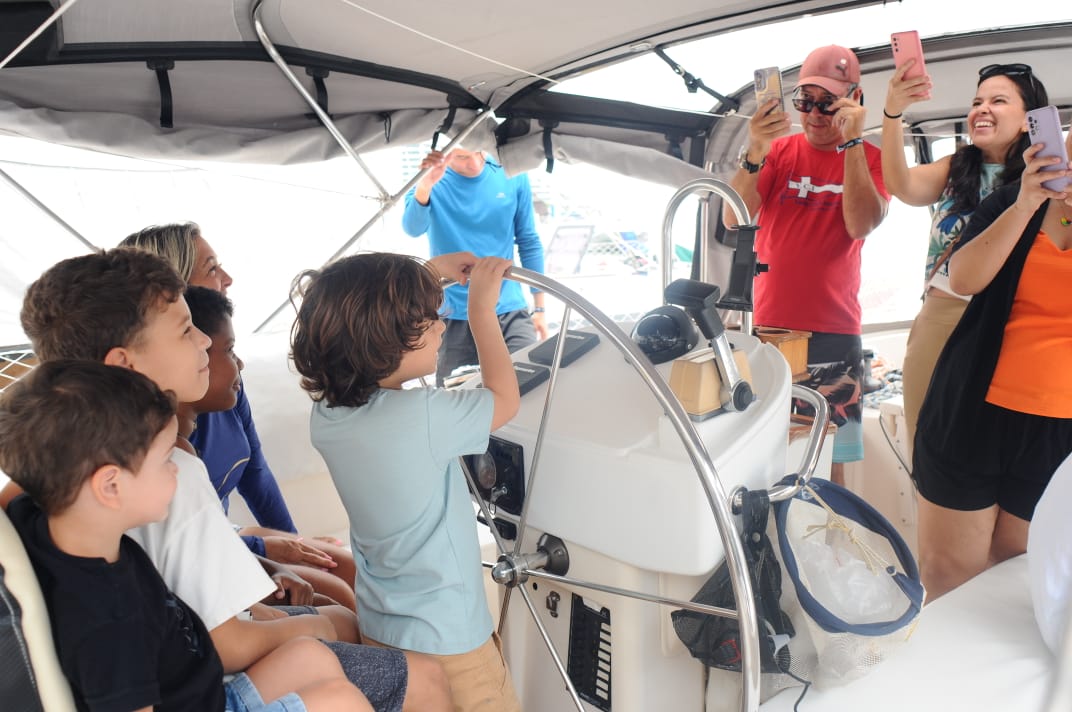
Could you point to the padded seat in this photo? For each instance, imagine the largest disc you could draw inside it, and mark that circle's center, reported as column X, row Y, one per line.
column 30, row 675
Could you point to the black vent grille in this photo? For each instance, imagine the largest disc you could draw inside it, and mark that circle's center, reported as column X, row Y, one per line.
column 589, row 653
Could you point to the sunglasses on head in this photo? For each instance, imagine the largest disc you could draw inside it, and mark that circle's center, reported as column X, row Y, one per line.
column 1008, row 70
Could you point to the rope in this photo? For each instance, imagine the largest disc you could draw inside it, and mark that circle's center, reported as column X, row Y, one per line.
column 38, row 32
column 872, row 558
column 455, row 47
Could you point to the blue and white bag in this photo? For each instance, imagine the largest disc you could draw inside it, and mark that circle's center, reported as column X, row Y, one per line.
column 851, row 585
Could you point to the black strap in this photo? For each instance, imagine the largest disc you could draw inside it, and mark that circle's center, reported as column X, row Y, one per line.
column 448, row 121
column 674, row 148
column 162, row 67
column 385, row 116
column 693, row 83
column 548, row 146
column 319, row 74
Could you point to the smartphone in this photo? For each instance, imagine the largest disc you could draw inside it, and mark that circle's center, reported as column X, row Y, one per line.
column 1044, row 126
column 906, row 46
column 768, row 83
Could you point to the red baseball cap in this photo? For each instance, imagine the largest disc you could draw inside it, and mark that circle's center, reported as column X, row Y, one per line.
column 834, row 68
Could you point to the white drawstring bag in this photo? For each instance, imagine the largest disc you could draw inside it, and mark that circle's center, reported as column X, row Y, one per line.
column 852, row 585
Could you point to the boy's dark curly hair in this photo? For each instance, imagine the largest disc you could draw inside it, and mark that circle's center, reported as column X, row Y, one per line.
column 85, row 306
column 357, row 318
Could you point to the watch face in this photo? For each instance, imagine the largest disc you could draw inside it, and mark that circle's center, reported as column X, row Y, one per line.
column 743, row 162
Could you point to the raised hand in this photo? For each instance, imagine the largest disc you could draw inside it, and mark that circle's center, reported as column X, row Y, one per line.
column 903, row 92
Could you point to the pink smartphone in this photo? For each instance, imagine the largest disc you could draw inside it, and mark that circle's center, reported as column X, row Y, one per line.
column 906, row 46
column 1044, row 126
column 768, row 84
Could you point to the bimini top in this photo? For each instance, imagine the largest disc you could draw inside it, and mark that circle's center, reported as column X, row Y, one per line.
column 192, row 79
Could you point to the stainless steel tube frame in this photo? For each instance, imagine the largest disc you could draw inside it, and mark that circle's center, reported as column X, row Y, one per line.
column 701, row 185
column 273, row 53
column 811, row 450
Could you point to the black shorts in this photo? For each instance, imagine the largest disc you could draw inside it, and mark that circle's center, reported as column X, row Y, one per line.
column 835, row 368
column 459, row 349
column 1012, row 457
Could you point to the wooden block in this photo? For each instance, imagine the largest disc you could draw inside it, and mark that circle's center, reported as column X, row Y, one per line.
column 792, row 344
column 695, row 380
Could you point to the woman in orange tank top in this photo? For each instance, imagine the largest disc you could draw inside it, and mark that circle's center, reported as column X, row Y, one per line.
column 997, row 418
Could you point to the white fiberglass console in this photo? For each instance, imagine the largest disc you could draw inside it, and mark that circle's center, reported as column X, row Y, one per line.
column 613, row 481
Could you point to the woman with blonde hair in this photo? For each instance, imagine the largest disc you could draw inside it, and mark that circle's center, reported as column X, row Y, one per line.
column 228, row 443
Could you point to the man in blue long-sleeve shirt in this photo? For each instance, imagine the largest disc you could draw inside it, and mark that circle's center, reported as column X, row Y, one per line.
column 467, row 203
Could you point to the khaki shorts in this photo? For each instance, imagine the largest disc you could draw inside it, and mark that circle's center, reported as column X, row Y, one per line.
column 479, row 679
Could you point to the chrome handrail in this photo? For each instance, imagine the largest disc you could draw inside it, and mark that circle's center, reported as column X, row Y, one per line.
column 701, row 185
column 810, row 461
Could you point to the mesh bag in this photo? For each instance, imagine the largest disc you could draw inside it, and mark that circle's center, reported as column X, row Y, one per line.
column 714, row 640
column 853, row 588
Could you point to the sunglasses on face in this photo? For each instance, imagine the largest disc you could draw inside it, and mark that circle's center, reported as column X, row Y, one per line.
column 805, row 104
column 1007, row 70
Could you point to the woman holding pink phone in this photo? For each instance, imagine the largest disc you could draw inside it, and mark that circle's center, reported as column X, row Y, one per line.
column 953, row 186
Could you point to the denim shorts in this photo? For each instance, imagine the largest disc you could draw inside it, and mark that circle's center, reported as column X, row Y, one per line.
column 242, row 696
column 382, row 674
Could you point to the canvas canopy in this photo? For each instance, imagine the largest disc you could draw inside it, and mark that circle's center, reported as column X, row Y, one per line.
column 184, row 82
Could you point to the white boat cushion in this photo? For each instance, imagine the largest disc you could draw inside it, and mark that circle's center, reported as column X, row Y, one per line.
column 1049, row 546
column 21, row 583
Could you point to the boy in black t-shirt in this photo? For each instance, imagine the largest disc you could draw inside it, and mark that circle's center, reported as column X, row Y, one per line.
column 91, row 445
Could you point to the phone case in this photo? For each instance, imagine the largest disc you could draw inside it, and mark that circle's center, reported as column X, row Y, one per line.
column 768, row 83
column 1044, row 126
column 906, row 46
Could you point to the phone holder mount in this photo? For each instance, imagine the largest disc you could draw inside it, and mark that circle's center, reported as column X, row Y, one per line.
column 701, row 302
column 743, row 271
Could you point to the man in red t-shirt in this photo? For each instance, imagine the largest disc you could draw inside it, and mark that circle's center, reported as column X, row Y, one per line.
column 816, row 195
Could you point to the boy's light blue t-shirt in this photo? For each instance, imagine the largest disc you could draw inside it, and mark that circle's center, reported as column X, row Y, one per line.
column 394, row 462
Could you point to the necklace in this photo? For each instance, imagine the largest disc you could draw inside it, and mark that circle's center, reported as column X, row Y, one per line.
column 1065, row 222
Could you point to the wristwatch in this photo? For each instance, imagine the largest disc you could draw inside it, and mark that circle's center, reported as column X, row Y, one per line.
column 743, row 162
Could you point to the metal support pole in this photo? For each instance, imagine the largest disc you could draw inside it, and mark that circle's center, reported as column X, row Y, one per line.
column 269, row 47
column 57, row 14
column 46, row 210
column 386, row 207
